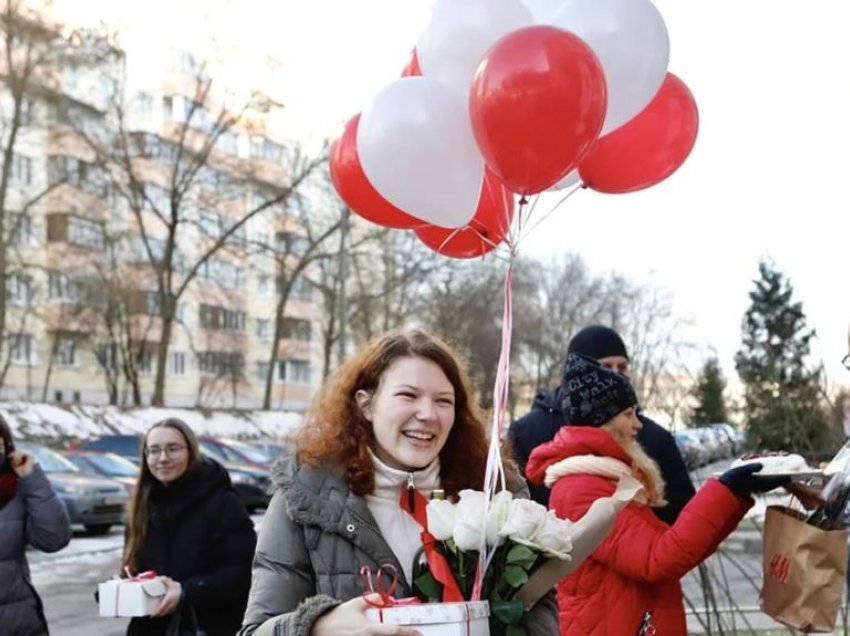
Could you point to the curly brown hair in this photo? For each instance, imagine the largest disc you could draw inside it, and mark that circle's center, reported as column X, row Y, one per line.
column 336, row 433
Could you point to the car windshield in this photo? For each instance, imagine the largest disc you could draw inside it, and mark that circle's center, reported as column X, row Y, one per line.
column 49, row 461
column 114, row 466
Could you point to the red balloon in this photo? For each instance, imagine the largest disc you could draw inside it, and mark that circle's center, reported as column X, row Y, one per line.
column 355, row 189
column 537, row 103
column 411, row 69
column 649, row 147
column 484, row 232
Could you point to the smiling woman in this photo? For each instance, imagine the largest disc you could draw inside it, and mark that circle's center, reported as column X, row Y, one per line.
column 396, row 423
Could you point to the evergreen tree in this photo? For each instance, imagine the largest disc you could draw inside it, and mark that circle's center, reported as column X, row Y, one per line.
column 710, row 406
column 782, row 405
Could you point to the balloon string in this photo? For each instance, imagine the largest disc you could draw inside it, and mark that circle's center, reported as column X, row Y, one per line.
column 526, row 231
column 495, row 470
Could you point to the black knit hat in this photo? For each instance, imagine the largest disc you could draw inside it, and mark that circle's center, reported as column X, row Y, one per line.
column 591, row 395
column 598, row 341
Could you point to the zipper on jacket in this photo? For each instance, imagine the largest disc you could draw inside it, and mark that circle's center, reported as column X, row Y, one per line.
column 411, row 493
column 646, row 627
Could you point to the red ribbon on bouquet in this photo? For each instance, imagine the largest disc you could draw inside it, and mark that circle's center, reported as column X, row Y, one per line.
column 147, row 575
column 414, row 503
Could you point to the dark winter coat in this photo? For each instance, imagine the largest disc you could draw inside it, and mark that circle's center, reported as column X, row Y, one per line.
column 545, row 419
column 640, row 562
column 200, row 535
column 34, row 516
column 315, row 537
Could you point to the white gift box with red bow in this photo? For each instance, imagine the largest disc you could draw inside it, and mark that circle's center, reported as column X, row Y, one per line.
column 438, row 619
column 130, row 597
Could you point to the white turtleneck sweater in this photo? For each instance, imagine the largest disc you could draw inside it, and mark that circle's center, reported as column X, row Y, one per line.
column 400, row 530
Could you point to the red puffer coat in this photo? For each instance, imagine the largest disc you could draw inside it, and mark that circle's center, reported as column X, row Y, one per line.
column 638, row 565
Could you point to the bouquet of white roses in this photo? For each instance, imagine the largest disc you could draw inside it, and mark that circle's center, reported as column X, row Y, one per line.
column 520, row 535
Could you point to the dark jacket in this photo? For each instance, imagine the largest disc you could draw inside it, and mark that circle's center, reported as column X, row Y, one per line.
column 200, row 535
column 34, row 516
column 545, row 419
column 315, row 537
column 639, row 564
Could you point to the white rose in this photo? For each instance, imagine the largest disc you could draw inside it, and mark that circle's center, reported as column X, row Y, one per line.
column 497, row 515
column 553, row 536
column 469, row 520
column 524, row 517
column 441, row 518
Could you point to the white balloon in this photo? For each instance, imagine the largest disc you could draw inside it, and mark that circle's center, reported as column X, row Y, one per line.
column 416, row 147
column 543, row 11
column 630, row 39
column 458, row 34
column 572, row 178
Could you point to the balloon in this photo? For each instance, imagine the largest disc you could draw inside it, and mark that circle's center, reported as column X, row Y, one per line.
column 354, row 188
column 460, row 31
column 485, row 231
column 630, row 39
column 412, row 69
column 537, row 103
column 650, row 147
column 417, row 149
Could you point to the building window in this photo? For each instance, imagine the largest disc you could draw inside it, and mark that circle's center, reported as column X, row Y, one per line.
column 144, row 361
column 264, row 287
column 264, row 330
column 297, row 329
column 293, row 371
column 144, row 104
column 21, row 173
column 221, row 363
column 85, row 233
column 21, row 229
column 178, row 363
column 301, row 289
column 66, row 352
column 21, row 348
column 107, row 356
column 19, row 288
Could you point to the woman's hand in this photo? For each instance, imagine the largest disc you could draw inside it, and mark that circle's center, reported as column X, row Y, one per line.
column 810, row 496
column 169, row 603
column 22, row 463
column 349, row 619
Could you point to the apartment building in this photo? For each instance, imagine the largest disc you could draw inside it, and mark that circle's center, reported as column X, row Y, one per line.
column 130, row 177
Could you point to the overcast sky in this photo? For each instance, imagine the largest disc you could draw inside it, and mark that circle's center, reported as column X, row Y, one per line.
column 768, row 177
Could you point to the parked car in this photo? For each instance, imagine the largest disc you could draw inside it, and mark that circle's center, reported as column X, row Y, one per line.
column 728, row 432
column 97, row 503
column 250, row 481
column 107, row 465
column 232, row 450
column 127, row 446
column 273, row 449
column 689, row 446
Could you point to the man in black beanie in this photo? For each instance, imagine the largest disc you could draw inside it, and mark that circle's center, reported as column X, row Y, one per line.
column 547, row 416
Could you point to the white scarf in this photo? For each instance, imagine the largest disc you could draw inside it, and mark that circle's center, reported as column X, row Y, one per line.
column 399, row 529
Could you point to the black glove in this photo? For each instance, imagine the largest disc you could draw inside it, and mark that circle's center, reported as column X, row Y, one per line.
column 742, row 481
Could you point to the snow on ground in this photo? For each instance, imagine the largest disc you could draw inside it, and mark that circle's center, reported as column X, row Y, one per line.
column 40, row 422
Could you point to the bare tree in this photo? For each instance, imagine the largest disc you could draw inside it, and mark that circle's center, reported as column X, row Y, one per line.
column 33, row 50
column 186, row 195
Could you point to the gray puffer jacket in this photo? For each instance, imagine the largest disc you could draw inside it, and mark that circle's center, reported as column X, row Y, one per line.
column 315, row 537
column 33, row 516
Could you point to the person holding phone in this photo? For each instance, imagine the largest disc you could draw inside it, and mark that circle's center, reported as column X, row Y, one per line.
column 30, row 513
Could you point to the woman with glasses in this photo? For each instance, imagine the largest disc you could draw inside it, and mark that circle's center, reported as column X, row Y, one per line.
column 187, row 524
column 30, row 514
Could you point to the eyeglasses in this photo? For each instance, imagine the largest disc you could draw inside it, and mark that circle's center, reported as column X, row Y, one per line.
column 846, row 361
column 170, row 451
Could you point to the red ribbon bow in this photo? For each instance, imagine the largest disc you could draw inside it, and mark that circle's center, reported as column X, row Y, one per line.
column 375, row 583
column 147, row 575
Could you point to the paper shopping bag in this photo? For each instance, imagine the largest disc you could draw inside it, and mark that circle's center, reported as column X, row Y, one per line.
column 804, row 568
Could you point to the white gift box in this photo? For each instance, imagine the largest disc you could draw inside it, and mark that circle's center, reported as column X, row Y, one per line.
column 126, row 597
column 438, row 619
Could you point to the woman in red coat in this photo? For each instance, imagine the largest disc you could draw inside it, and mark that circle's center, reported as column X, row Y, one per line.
column 637, row 568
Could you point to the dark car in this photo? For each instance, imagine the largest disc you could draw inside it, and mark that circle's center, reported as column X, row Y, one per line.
column 97, row 503
column 127, row 446
column 107, row 465
column 250, row 481
column 232, row 450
